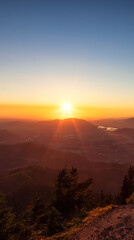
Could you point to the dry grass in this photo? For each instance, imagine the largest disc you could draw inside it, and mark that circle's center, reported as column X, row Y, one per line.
column 92, row 216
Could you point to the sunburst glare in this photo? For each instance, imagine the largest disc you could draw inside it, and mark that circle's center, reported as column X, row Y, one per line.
column 66, row 107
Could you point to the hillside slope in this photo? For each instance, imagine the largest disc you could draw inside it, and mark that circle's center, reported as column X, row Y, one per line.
column 118, row 224
column 25, row 154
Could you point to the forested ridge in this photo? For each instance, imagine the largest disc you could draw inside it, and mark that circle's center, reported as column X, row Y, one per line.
column 73, row 204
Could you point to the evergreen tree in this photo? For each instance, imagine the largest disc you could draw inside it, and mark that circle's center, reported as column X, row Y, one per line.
column 33, row 218
column 130, row 180
column 72, row 196
column 37, row 208
column 128, row 185
column 54, row 221
column 124, row 190
column 7, row 220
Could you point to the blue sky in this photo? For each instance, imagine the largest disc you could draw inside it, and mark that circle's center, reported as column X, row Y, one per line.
column 78, row 51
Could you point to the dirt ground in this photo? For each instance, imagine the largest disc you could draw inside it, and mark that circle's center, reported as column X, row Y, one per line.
column 118, row 224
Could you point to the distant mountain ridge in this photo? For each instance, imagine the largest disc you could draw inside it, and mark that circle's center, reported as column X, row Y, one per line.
column 77, row 141
column 25, row 154
column 126, row 131
column 118, row 123
column 8, row 137
column 22, row 184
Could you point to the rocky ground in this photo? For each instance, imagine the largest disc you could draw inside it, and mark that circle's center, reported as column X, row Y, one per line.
column 118, row 224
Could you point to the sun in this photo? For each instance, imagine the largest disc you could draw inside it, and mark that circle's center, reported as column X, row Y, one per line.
column 66, row 107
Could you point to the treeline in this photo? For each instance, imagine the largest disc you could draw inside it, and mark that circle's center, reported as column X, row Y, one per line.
column 70, row 203
column 127, row 188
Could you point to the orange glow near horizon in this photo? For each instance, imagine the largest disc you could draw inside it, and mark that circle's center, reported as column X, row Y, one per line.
column 46, row 112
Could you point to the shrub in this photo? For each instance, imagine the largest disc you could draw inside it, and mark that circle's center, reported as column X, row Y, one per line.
column 130, row 199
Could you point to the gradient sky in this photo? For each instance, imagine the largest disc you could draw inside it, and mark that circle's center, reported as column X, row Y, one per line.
column 55, row 51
